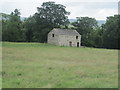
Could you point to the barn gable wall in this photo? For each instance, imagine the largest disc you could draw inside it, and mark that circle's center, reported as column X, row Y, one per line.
column 53, row 40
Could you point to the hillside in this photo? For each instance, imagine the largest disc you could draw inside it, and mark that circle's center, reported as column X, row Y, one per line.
column 4, row 15
column 36, row 65
column 100, row 22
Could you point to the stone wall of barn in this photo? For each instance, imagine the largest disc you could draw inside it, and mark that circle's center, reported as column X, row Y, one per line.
column 64, row 40
column 53, row 40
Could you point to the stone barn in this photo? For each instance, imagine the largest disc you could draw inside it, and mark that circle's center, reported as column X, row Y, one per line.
column 64, row 37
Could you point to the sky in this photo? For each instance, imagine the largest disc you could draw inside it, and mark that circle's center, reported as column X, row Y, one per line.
column 99, row 9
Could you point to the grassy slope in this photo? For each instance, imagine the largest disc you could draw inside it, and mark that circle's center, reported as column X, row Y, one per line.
column 0, row 65
column 42, row 65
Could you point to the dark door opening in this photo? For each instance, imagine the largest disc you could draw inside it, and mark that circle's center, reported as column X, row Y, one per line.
column 70, row 44
column 52, row 35
column 77, row 44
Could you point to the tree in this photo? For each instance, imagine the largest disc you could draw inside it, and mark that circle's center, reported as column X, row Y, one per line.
column 54, row 14
column 49, row 16
column 12, row 27
column 98, row 37
column 111, row 33
column 86, row 27
column 5, row 19
column 29, row 24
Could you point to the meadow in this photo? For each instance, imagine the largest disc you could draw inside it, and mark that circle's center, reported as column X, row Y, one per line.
column 36, row 65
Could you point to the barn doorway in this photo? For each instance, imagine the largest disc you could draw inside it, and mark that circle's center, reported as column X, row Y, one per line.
column 77, row 44
column 70, row 44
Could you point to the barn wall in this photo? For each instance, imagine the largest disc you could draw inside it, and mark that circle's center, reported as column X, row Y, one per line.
column 51, row 39
column 65, row 39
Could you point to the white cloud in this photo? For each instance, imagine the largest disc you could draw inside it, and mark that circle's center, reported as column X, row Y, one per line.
column 103, row 13
column 26, row 9
column 97, row 9
column 77, row 0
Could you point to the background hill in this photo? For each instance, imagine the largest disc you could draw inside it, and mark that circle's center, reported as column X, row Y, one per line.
column 100, row 22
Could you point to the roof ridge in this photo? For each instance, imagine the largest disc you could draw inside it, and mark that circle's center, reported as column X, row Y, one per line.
column 66, row 31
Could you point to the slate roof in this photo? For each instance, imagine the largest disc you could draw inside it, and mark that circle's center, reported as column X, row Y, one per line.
column 67, row 32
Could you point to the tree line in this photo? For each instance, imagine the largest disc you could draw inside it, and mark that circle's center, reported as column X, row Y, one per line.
column 51, row 15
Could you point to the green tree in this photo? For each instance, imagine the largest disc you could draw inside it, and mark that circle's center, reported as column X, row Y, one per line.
column 86, row 27
column 53, row 14
column 111, row 33
column 49, row 16
column 12, row 27
column 98, row 37
column 5, row 19
column 29, row 24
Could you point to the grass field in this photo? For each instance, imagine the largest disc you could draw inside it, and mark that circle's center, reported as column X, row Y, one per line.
column 0, row 65
column 35, row 65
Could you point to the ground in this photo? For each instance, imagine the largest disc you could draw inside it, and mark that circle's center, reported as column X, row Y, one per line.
column 36, row 65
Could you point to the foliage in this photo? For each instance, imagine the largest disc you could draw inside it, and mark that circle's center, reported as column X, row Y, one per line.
column 85, row 26
column 52, row 14
column 111, row 33
column 28, row 25
column 106, row 36
column 12, row 27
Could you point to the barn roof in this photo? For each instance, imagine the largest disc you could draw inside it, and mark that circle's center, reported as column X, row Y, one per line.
column 66, row 32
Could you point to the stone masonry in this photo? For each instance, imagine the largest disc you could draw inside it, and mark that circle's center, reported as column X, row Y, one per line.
column 64, row 37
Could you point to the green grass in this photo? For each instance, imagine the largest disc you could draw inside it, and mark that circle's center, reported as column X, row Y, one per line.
column 0, row 65
column 36, row 65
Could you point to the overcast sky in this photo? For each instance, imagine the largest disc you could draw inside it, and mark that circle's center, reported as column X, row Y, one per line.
column 99, row 9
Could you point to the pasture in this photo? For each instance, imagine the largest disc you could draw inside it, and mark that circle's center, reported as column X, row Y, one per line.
column 36, row 65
